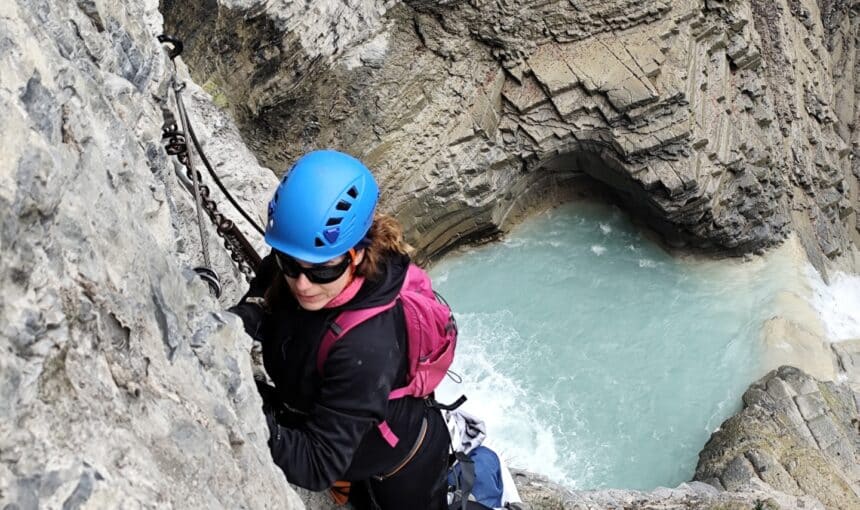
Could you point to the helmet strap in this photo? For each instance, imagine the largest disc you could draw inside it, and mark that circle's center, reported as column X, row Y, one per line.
column 352, row 265
column 352, row 285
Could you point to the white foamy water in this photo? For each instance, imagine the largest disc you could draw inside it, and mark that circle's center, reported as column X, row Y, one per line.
column 838, row 304
column 515, row 430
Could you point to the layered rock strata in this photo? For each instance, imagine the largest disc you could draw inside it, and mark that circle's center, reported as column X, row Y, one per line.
column 795, row 434
column 725, row 124
column 121, row 383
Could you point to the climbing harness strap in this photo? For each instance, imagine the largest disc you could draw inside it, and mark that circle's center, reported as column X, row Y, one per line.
column 419, row 441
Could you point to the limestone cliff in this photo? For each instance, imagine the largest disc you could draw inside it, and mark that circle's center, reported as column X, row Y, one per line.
column 725, row 124
column 121, row 383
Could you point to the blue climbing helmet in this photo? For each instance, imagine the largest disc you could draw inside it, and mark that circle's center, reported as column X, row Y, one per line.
column 323, row 207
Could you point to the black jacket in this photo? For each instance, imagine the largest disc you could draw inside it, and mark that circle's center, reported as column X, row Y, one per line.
column 329, row 430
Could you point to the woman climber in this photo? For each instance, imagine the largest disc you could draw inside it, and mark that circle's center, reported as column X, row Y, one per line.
column 331, row 415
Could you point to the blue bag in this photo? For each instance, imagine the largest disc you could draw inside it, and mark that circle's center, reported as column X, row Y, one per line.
column 482, row 469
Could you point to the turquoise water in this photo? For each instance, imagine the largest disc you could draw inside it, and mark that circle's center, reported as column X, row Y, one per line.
column 594, row 356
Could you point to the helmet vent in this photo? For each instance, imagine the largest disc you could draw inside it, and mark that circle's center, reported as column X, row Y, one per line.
column 333, row 221
column 343, row 205
column 318, row 242
column 352, row 192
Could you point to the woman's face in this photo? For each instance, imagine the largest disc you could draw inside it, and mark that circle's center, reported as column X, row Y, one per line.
column 314, row 296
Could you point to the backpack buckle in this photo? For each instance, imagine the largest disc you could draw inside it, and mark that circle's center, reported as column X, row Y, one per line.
column 431, row 402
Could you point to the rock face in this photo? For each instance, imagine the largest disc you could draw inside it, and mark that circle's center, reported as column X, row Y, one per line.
column 795, row 434
column 542, row 494
column 120, row 384
column 725, row 124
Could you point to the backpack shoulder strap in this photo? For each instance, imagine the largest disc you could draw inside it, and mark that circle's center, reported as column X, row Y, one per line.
column 344, row 322
column 466, row 479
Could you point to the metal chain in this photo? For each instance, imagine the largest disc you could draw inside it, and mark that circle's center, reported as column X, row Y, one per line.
column 176, row 145
column 232, row 244
column 241, row 251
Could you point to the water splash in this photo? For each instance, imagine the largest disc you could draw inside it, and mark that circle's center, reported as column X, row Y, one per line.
column 838, row 304
column 507, row 405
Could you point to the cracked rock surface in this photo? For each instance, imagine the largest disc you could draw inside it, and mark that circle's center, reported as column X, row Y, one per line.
column 795, row 434
column 121, row 383
column 724, row 124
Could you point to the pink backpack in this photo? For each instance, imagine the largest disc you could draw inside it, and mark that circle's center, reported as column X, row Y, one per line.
column 430, row 331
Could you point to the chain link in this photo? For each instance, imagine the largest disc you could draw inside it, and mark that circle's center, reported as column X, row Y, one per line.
column 176, row 145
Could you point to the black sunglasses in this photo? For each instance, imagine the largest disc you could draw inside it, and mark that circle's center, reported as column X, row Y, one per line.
column 316, row 273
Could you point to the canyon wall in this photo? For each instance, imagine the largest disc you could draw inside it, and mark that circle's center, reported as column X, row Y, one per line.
column 123, row 384
column 723, row 124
